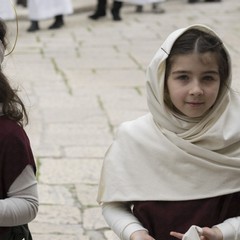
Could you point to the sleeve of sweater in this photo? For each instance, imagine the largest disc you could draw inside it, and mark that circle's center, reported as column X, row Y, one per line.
column 21, row 206
column 230, row 228
column 120, row 219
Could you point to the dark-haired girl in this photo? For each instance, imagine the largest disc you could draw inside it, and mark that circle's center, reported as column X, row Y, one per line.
column 18, row 185
column 175, row 172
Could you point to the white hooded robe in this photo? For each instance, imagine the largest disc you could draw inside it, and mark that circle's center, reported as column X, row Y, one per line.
column 44, row 9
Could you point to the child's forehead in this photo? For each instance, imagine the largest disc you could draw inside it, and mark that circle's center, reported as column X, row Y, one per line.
column 203, row 57
column 191, row 62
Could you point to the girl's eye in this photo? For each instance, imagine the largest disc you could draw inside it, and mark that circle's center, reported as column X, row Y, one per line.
column 183, row 77
column 208, row 78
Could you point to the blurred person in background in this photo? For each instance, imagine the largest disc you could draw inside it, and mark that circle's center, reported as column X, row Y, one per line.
column 155, row 5
column 45, row 9
column 101, row 7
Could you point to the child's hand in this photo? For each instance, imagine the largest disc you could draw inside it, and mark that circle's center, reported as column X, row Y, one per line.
column 177, row 235
column 206, row 234
column 141, row 235
column 211, row 234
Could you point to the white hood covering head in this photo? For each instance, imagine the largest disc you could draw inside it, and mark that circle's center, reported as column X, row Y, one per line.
column 166, row 156
column 155, row 91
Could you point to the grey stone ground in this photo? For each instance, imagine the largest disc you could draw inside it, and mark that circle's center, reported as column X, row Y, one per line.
column 79, row 83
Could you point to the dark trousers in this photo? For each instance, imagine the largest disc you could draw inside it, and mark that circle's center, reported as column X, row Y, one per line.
column 102, row 5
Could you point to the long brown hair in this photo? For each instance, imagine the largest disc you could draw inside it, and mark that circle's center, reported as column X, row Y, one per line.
column 12, row 105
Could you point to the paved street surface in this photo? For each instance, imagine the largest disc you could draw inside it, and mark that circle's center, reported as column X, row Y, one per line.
column 79, row 83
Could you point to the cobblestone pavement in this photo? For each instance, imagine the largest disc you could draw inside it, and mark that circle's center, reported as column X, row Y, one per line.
column 79, row 83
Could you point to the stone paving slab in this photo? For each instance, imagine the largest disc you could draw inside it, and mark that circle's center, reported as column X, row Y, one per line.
column 79, row 83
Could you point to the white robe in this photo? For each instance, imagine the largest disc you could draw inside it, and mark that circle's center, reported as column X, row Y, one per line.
column 44, row 9
column 6, row 10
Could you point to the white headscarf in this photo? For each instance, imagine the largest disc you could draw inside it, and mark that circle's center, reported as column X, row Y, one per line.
column 161, row 156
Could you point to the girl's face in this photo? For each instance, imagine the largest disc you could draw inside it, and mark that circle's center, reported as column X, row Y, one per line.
column 193, row 83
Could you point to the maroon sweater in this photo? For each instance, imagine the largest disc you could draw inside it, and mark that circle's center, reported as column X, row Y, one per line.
column 161, row 217
column 15, row 155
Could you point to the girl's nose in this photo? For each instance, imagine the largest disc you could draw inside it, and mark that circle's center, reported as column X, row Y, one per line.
column 196, row 89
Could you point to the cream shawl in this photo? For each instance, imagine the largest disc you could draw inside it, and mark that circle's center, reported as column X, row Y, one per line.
column 162, row 156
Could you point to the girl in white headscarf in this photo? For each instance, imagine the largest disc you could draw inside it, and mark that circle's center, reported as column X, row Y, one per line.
column 179, row 166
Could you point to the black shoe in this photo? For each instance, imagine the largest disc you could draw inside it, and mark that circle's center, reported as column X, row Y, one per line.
column 154, row 6
column 139, row 9
column 58, row 23
column 157, row 9
column 33, row 27
column 116, row 16
column 22, row 2
column 192, row 1
column 97, row 15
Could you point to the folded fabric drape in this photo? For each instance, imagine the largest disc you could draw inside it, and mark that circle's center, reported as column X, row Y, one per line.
column 166, row 156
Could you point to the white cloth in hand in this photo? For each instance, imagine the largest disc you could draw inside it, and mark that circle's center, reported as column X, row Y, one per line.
column 192, row 233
